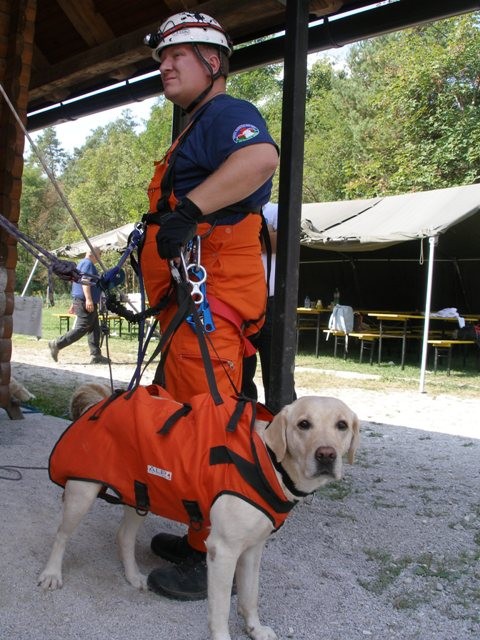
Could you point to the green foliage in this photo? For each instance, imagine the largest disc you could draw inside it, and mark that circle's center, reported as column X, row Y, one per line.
column 106, row 184
column 415, row 97
column 402, row 115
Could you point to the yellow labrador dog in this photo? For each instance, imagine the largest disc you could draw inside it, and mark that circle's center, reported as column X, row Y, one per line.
column 308, row 439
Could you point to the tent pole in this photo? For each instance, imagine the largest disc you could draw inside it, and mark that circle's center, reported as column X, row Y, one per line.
column 27, row 284
column 426, row 326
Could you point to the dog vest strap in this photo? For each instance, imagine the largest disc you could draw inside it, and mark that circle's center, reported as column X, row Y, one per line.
column 236, row 415
column 250, row 473
column 142, row 501
column 287, row 481
column 103, row 405
column 194, row 513
column 174, row 418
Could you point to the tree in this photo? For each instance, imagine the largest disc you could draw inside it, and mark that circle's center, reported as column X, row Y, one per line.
column 51, row 152
column 415, row 97
column 42, row 214
column 106, row 182
column 327, row 135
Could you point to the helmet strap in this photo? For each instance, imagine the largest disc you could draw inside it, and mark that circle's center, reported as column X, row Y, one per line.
column 213, row 77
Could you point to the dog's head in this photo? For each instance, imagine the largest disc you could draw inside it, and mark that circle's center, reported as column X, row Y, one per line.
column 85, row 396
column 309, row 438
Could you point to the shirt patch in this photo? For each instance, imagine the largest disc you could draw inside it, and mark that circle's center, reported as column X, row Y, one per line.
column 245, row 132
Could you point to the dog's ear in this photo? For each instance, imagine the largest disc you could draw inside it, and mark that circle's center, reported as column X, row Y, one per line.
column 276, row 434
column 355, row 440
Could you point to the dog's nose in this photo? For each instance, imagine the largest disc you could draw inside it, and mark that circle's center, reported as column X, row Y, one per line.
column 325, row 454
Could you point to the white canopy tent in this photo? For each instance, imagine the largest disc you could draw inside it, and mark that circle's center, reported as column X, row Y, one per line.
column 367, row 225
column 116, row 240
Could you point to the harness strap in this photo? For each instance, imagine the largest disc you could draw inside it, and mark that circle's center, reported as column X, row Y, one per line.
column 228, row 313
column 250, row 474
column 142, row 500
column 194, row 513
column 174, row 418
column 236, row 415
column 116, row 394
column 186, row 307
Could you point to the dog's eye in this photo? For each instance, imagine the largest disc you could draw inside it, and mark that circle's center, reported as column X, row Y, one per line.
column 342, row 425
column 304, row 425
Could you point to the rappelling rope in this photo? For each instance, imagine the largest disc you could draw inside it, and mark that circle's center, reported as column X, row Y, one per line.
column 50, row 175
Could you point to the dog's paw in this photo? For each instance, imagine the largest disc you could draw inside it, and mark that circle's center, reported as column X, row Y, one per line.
column 261, row 633
column 139, row 581
column 50, row 581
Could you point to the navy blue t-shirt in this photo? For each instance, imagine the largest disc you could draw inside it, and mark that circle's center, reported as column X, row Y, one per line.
column 86, row 266
column 221, row 127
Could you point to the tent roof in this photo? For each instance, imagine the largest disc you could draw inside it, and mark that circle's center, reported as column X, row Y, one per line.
column 116, row 240
column 366, row 225
column 352, row 225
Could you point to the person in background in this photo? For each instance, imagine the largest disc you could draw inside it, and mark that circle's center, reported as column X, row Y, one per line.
column 85, row 300
column 263, row 341
column 212, row 182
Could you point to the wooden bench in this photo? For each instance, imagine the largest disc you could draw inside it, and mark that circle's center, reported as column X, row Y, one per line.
column 113, row 321
column 64, row 321
column 368, row 341
column 340, row 338
column 443, row 348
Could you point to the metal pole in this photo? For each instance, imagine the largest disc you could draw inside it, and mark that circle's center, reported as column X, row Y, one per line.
column 290, row 204
column 428, row 299
column 27, row 284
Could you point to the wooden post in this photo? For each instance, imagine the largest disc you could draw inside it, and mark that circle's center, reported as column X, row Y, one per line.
column 17, row 25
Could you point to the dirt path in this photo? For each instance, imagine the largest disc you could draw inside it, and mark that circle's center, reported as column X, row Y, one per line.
column 391, row 552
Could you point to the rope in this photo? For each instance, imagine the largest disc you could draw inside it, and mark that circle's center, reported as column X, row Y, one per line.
column 50, row 175
column 64, row 269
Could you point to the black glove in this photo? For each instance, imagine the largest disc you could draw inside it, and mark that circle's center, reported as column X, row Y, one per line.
column 177, row 228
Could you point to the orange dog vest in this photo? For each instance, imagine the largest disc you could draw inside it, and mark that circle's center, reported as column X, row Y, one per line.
column 155, row 454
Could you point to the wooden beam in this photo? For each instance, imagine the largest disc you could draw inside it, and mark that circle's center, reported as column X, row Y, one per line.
column 90, row 24
column 102, row 59
column 108, row 57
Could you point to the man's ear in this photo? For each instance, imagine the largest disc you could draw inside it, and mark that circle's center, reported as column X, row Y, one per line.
column 213, row 60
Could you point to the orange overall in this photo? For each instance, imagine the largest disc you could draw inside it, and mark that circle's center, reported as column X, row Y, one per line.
column 155, row 454
column 235, row 289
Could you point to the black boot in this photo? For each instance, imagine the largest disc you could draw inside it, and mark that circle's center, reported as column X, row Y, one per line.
column 184, row 581
column 175, row 548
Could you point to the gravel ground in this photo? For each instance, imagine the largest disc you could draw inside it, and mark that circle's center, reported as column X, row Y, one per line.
column 391, row 552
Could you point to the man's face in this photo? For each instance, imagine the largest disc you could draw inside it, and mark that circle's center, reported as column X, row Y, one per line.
column 184, row 76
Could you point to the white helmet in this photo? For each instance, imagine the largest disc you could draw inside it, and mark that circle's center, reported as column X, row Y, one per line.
column 188, row 28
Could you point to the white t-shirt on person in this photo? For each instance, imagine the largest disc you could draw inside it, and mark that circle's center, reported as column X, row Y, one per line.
column 270, row 213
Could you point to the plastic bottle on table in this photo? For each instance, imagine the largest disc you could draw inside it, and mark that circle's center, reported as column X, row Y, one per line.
column 307, row 304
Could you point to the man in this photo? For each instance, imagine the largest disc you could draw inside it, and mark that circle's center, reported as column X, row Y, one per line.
column 85, row 307
column 212, row 182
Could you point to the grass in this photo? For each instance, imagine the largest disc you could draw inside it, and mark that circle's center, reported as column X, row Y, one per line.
column 311, row 372
column 429, row 577
column 463, row 380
